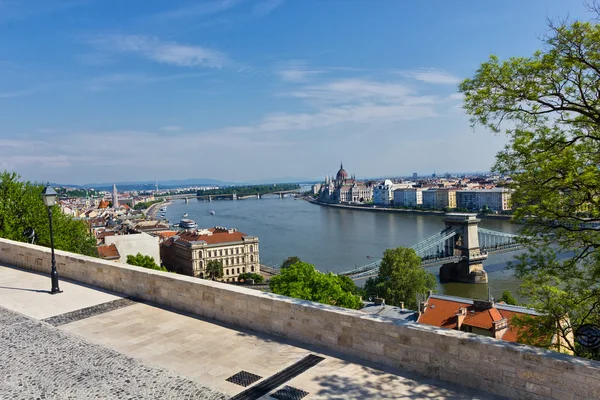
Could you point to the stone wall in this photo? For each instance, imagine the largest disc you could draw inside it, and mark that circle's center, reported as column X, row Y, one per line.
column 503, row 368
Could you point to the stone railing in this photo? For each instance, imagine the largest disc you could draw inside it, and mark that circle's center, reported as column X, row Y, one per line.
column 499, row 367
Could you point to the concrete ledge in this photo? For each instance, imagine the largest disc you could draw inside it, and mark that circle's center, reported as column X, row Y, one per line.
column 503, row 368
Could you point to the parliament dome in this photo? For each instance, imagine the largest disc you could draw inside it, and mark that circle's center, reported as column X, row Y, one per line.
column 342, row 174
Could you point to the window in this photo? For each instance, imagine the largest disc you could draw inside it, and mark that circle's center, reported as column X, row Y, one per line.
column 251, row 258
column 237, row 250
column 251, row 249
column 220, row 252
column 238, row 270
column 252, row 268
column 244, row 269
column 226, row 272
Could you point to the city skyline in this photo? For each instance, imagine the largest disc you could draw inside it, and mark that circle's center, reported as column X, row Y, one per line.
column 148, row 90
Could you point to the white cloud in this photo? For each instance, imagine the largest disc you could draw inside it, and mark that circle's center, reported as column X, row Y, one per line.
column 200, row 9
column 266, row 7
column 431, row 75
column 165, row 52
column 118, row 79
column 296, row 71
column 171, row 128
column 19, row 93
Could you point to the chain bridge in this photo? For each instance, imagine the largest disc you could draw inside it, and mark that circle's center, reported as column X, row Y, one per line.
column 460, row 248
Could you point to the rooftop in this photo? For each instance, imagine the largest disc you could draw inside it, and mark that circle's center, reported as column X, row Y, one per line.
column 214, row 236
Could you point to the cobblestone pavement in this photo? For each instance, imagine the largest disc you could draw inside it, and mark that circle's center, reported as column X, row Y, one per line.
column 38, row 361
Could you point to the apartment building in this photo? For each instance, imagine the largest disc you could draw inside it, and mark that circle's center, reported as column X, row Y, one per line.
column 409, row 197
column 445, row 198
column 383, row 194
column 189, row 252
column 497, row 199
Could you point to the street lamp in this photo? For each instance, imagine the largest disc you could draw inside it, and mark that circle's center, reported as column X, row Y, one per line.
column 49, row 198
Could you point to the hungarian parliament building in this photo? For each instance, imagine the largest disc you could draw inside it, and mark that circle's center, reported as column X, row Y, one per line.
column 344, row 189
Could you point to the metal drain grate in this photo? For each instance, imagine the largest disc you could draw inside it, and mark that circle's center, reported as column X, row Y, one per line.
column 243, row 378
column 289, row 393
column 271, row 383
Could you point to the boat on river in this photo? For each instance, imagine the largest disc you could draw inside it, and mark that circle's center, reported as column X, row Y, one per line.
column 188, row 224
column 212, row 213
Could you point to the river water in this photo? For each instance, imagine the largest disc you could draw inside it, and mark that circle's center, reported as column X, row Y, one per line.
column 336, row 239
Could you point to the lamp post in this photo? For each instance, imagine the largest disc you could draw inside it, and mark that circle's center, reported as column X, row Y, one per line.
column 49, row 198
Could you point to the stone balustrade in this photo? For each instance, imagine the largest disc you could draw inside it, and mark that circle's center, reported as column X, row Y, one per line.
column 503, row 368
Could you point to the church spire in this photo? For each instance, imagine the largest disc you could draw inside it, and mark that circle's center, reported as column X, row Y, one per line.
column 341, row 165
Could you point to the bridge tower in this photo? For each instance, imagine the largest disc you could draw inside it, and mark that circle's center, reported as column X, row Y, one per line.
column 466, row 244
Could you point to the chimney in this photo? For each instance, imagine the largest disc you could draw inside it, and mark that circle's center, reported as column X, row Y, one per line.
column 402, row 305
column 460, row 317
column 422, row 307
column 379, row 301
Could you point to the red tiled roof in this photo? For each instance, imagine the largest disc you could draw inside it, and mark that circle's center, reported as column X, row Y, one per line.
column 108, row 252
column 443, row 314
column 103, row 204
column 218, row 236
column 167, row 234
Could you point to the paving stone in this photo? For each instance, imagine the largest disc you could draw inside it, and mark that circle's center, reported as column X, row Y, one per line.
column 40, row 361
column 87, row 312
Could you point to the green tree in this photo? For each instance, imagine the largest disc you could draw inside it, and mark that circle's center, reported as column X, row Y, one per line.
column 258, row 278
column 508, row 298
column 401, row 278
column 290, row 261
column 548, row 105
column 302, row 281
column 21, row 207
column 142, row 260
column 214, row 269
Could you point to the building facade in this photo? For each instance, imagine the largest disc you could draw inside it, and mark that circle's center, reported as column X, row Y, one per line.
column 497, row 199
column 445, row 198
column 408, row 197
column 189, row 252
column 345, row 189
column 429, row 198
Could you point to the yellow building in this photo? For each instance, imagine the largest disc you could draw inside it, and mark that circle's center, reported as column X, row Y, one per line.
column 189, row 252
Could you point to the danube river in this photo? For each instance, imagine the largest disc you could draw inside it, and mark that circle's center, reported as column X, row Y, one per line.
column 335, row 239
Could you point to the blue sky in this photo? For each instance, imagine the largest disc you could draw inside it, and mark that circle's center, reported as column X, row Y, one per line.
column 239, row 90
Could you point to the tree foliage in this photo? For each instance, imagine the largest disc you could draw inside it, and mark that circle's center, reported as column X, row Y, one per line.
column 21, row 207
column 214, row 269
column 145, row 261
column 302, row 281
column 508, row 298
column 249, row 190
column 401, row 278
column 257, row 278
column 290, row 261
column 549, row 107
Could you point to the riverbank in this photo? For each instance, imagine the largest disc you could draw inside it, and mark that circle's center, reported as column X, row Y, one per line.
column 401, row 210
column 151, row 211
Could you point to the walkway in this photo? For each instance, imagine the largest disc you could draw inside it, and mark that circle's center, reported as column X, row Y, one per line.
column 91, row 343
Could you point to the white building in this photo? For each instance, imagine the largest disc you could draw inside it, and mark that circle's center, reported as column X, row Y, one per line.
column 408, row 197
column 497, row 199
column 189, row 252
column 133, row 244
column 383, row 194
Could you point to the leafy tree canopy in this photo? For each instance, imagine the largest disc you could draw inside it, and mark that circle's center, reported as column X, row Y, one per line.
column 401, row 278
column 290, row 261
column 214, row 269
column 142, row 260
column 22, row 207
column 302, row 281
column 508, row 298
column 258, row 278
column 548, row 105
